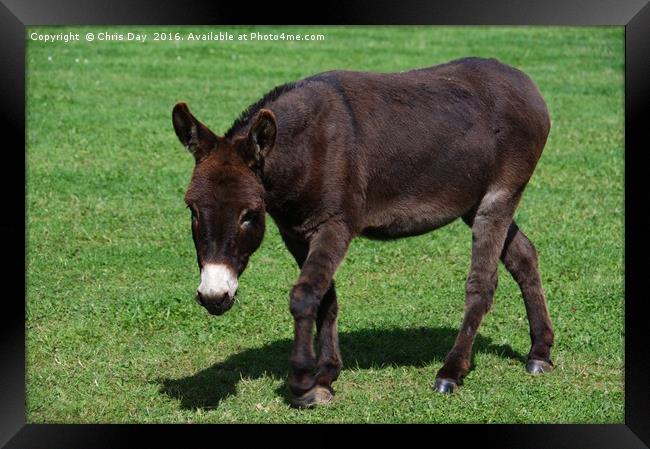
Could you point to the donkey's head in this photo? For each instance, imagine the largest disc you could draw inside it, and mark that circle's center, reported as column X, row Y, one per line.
column 226, row 199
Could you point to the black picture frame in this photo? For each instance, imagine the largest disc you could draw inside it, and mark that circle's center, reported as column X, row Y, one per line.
column 15, row 15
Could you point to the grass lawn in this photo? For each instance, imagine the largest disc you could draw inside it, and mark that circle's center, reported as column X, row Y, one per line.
column 114, row 334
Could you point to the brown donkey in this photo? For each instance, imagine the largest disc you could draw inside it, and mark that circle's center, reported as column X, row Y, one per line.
column 343, row 154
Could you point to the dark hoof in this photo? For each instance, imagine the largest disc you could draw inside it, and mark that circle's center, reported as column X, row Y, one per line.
column 447, row 386
column 318, row 395
column 538, row 367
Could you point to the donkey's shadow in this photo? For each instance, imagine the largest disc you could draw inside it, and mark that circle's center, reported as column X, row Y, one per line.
column 362, row 349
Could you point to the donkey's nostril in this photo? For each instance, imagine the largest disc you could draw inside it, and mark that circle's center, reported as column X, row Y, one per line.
column 215, row 305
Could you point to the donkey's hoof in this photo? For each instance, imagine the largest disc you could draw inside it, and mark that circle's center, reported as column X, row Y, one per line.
column 318, row 395
column 446, row 386
column 538, row 367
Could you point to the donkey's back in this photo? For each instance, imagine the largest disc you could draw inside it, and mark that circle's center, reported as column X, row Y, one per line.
column 405, row 153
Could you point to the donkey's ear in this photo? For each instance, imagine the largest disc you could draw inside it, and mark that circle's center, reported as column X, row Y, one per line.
column 261, row 137
column 196, row 137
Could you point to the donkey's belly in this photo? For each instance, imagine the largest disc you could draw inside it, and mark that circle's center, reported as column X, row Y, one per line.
column 409, row 218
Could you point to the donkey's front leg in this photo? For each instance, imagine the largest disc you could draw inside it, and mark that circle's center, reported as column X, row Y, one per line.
column 329, row 360
column 327, row 247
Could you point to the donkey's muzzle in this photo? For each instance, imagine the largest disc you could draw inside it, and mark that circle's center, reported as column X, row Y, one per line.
column 217, row 289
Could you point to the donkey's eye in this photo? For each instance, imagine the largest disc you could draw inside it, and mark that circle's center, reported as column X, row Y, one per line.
column 247, row 216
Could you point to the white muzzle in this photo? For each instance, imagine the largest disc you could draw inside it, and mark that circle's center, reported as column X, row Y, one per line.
column 217, row 280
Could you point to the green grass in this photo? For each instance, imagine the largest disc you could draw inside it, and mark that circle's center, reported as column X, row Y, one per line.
column 114, row 334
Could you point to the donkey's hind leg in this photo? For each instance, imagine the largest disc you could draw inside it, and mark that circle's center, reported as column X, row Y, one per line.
column 489, row 227
column 520, row 258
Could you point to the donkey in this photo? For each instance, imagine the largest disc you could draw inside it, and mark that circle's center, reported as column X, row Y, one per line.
column 343, row 154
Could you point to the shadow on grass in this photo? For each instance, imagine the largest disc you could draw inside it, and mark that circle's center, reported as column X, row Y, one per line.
column 362, row 349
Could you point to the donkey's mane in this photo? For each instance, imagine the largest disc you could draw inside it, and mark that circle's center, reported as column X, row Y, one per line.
column 249, row 112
